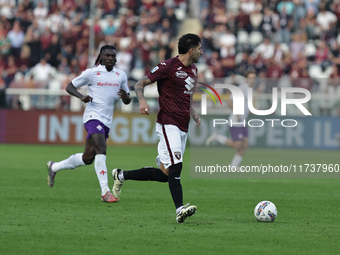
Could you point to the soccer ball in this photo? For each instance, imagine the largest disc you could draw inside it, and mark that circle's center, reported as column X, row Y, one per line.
column 265, row 211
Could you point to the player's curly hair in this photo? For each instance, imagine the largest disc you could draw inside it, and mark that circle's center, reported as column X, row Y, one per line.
column 105, row 47
column 188, row 41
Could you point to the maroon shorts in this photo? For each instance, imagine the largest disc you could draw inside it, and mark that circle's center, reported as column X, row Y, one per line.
column 238, row 133
column 96, row 127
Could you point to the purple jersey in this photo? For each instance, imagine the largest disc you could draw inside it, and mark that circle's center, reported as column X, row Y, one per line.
column 175, row 83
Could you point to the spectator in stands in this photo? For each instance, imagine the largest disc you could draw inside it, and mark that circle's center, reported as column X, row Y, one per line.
column 278, row 54
column 312, row 5
column 243, row 20
column 285, row 26
column 54, row 51
column 286, row 6
column 33, row 41
column 228, row 65
column 5, row 44
column 311, row 25
column 322, row 53
column 300, row 12
column 274, row 70
column 296, row 46
column 124, row 58
column 23, row 63
column 227, row 42
column 131, row 19
column 265, row 49
column 326, row 21
column 64, row 67
column 34, row 27
column 7, row 8
column 5, row 24
column 26, row 19
column 335, row 77
column 74, row 67
column 267, row 26
column 9, row 70
column 144, row 34
column 57, row 22
column 244, row 64
column 335, row 8
column 40, row 13
column 247, row 6
column 256, row 19
column 28, row 5
column 220, row 16
column 16, row 36
column 301, row 29
column 45, row 40
column 42, row 72
column 111, row 28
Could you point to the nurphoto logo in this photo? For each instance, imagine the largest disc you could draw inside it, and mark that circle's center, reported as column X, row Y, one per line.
column 239, row 104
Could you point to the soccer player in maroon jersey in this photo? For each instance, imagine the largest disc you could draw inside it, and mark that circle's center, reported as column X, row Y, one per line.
column 175, row 82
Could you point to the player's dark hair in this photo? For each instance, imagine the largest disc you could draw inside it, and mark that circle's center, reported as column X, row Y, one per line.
column 105, row 47
column 188, row 41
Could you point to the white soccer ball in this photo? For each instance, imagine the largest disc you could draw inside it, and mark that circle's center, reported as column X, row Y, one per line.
column 265, row 211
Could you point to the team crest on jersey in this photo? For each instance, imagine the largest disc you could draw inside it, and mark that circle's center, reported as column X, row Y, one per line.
column 178, row 155
column 155, row 69
column 181, row 74
column 194, row 71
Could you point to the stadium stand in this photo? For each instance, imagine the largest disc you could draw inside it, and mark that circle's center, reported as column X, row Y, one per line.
column 54, row 36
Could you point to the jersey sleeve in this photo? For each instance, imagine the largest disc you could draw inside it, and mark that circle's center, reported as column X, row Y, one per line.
column 159, row 72
column 83, row 79
column 124, row 84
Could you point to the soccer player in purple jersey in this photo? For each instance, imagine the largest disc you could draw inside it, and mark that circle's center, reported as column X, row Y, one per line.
column 175, row 82
column 239, row 130
column 106, row 84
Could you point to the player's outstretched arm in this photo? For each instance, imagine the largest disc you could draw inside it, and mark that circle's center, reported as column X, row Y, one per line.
column 195, row 117
column 139, row 89
column 72, row 90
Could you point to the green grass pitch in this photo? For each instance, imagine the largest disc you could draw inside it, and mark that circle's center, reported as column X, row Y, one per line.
column 71, row 219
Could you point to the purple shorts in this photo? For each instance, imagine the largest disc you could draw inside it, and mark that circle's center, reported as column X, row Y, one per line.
column 238, row 133
column 96, row 127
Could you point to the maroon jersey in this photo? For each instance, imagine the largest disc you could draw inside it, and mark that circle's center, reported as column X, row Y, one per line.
column 175, row 83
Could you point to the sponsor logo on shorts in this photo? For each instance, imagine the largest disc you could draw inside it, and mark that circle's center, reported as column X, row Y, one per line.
column 181, row 74
column 178, row 155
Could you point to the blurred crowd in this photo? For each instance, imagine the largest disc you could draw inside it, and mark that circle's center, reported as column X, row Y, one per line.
column 295, row 39
column 45, row 43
